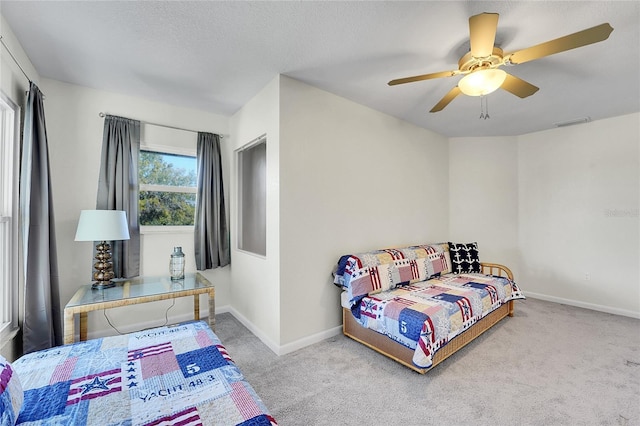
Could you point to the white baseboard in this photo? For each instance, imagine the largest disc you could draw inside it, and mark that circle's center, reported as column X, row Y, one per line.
column 309, row 340
column 220, row 309
column 579, row 304
column 289, row 347
column 255, row 330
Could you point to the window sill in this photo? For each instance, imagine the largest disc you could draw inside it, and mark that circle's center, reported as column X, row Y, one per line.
column 250, row 253
column 166, row 230
column 7, row 336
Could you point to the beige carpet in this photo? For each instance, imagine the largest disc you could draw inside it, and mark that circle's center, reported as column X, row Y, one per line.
column 550, row 364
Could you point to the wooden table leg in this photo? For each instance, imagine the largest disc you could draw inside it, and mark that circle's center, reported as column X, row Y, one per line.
column 69, row 332
column 83, row 326
column 212, row 310
column 196, row 306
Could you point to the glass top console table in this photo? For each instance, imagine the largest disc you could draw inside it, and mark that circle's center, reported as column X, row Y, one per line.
column 134, row 291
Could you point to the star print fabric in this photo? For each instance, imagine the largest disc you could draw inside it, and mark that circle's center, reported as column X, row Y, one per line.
column 169, row 375
column 425, row 316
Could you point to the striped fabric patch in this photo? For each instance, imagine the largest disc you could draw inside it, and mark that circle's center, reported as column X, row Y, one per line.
column 415, row 272
column 245, row 403
column 376, row 284
column 224, row 353
column 63, row 371
column 189, row 417
column 148, row 351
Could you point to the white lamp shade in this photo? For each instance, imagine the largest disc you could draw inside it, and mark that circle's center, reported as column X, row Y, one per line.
column 482, row 82
column 102, row 225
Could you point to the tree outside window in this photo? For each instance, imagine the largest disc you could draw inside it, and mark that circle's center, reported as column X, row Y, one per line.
column 167, row 189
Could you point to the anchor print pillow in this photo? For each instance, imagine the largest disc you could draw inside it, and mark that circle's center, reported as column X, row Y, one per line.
column 464, row 257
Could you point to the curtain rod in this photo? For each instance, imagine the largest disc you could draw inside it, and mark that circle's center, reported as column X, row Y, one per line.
column 102, row 114
column 17, row 63
column 14, row 58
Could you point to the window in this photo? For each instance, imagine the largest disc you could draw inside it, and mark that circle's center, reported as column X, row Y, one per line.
column 252, row 197
column 9, row 143
column 167, row 188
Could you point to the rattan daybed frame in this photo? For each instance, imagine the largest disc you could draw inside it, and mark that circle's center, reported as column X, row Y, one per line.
column 404, row 355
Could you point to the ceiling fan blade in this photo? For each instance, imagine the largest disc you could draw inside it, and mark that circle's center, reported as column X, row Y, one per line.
column 423, row 77
column 447, row 98
column 518, row 87
column 581, row 38
column 482, row 34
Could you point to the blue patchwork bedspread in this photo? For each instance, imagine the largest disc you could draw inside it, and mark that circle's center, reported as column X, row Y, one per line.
column 179, row 375
column 426, row 315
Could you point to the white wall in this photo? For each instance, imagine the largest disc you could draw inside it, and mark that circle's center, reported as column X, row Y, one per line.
column 340, row 178
column 579, row 214
column 483, row 197
column 255, row 288
column 351, row 179
column 559, row 207
column 75, row 139
column 14, row 84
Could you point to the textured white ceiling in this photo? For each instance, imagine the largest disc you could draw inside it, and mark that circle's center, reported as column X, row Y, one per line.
column 215, row 56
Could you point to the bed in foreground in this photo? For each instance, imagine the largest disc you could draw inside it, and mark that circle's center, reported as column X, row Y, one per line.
column 172, row 375
column 418, row 305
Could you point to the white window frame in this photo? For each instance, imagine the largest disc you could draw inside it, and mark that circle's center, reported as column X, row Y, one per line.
column 9, row 190
column 167, row 229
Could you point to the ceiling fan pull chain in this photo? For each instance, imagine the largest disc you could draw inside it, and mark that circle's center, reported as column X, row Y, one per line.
column 486, row 107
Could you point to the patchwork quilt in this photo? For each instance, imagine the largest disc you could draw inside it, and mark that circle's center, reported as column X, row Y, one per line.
column 426, row 315
column 10, row 393
column 179, row 375
column 380, row 270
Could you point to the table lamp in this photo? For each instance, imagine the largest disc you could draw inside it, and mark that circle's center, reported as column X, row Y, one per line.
column 102, row 226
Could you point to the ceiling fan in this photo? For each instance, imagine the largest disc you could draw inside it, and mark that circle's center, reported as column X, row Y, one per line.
column 481, row 65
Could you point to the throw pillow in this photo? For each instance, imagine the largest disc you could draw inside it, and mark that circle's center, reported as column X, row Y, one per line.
column 11, row 395
column 464, row 257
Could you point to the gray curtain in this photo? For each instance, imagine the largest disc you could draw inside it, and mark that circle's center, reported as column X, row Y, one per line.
column 118, row 188
column 42, row 324
column 211, row 230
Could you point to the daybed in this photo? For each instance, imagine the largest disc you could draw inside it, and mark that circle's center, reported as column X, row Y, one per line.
column 418, row 305
column 173, row 375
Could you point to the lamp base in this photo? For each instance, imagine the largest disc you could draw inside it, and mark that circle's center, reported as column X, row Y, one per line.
column 101, row 285
column 103, row 267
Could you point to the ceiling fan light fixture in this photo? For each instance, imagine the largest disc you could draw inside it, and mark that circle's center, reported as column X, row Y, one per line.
column 482, row 82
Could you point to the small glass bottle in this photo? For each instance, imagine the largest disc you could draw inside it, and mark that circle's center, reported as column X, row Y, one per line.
column 176, row 265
